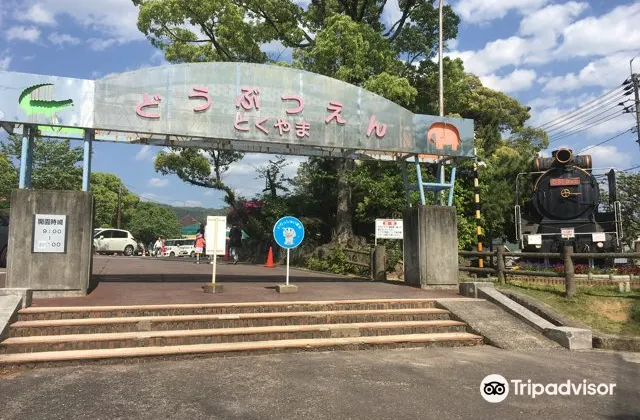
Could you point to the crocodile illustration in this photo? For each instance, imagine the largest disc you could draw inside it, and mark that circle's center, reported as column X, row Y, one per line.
column 39, row 106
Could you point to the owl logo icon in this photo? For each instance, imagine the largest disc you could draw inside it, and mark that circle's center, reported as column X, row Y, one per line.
column 289, row 234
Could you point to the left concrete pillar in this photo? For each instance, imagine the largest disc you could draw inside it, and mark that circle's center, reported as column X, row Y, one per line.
column 50, row 274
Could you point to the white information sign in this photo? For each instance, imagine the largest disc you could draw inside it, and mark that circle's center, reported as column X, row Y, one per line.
column 534, row 239
column 598, row 237
column 567, row 233
column 215, row 235
column 389, row 229
column 50, row 233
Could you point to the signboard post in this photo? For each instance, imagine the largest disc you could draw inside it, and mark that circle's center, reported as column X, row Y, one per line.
column 215, row 236
column 288, row 232
column 49, row 233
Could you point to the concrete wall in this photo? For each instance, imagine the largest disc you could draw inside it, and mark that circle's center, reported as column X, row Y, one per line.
column 51, row 274
column 431, row 246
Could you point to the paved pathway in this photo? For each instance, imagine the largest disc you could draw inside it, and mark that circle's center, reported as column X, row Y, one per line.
column 435, row 383
column 139, row 281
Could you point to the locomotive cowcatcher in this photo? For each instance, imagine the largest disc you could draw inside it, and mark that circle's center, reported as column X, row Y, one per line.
column 564, row 207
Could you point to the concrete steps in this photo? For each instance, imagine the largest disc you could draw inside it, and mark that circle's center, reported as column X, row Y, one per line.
column 60, row 335
column 75, row 312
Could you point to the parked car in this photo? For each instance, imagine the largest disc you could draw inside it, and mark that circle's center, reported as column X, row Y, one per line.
column 114, row 240
column 187, row 247
column 172, row 249
column 4, row 239
column 179, row 248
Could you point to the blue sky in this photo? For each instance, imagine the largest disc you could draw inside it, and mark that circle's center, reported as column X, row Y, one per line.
column 552, row 55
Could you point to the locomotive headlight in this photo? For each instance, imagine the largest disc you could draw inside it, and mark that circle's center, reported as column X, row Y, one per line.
column 600, row 244
column 538, row 246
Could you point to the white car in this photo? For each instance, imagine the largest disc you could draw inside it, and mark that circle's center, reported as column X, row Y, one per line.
column 179, row 248
column 114, row 240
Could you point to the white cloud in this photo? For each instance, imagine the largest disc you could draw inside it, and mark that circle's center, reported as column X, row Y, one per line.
column 23, row 33
column 61, row 39
column 158, row 182
column 481, row 11
column 551, row 19
column 5, row 62
column 391, row 13
column 605, row 72
column 36, row 14
column 607, row 156
column 513, row 82
column 607, row 34
column 99, row 44
column 494, row 55
column 145, row 153
column 152, row 197
column 116, row 19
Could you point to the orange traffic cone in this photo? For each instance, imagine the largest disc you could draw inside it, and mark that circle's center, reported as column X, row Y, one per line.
column 270, row 263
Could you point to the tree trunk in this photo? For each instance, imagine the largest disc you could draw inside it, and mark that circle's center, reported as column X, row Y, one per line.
column 344, row 230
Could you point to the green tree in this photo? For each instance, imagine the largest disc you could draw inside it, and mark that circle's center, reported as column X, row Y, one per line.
column 274, row 179
column 8, row 180
column 151, row 220
column 105, row 189
column 56, row 165
column 201, row 167
column 628, row 193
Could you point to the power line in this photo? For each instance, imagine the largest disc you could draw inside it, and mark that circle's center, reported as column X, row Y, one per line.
column 591, row 125
column 604, row 141
column 601, row 107
column 577, row 110
column 630, row 169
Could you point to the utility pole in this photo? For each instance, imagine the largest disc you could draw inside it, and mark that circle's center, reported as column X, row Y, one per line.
column 441, row 102
column 119, row 205
column 634, row 80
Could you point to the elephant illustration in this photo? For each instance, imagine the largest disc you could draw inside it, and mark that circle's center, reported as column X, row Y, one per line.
column 443, row 134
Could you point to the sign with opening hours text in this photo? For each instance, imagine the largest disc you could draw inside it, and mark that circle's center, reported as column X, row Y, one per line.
column 50, row 233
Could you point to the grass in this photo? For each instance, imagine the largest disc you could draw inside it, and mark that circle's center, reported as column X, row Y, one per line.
column 603, row 308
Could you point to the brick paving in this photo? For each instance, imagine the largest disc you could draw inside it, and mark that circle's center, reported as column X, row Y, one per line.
column 142, row 281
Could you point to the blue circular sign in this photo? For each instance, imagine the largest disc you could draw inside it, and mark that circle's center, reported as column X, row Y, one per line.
column 288, row 232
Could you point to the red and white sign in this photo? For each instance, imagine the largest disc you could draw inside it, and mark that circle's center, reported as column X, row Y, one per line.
column 564, row 182
column 389, row 229
column 567, row 233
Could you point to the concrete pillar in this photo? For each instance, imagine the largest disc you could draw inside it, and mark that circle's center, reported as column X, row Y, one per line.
column 431, row 246
column 50, row 274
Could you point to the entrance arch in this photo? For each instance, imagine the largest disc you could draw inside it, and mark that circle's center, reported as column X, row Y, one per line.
column 246, row 107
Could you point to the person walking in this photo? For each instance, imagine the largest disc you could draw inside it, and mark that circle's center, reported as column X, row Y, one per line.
column 235, row 241
column 199, row 246
column 157, row 247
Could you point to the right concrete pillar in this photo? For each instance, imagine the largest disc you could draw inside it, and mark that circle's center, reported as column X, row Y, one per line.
column 431, row 247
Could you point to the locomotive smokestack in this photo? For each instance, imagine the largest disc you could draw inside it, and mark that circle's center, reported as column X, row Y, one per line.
column 563, row 156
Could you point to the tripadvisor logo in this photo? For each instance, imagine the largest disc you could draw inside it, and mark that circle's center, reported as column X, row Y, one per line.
column 495, row 388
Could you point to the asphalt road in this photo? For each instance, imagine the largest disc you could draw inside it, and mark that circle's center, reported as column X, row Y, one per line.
column 438, row 383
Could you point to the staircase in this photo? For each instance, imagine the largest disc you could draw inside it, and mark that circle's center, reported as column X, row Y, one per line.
column 52, row 336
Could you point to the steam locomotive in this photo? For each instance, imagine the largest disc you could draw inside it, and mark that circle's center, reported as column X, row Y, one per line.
column 564, row 207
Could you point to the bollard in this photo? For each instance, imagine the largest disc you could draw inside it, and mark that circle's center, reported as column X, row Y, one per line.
column 627, row 286
column 621, row 287
column 500, row 258
column 378, row 263
column 569, row 273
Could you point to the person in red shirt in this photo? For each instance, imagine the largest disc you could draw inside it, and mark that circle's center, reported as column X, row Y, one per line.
column 199, row 246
